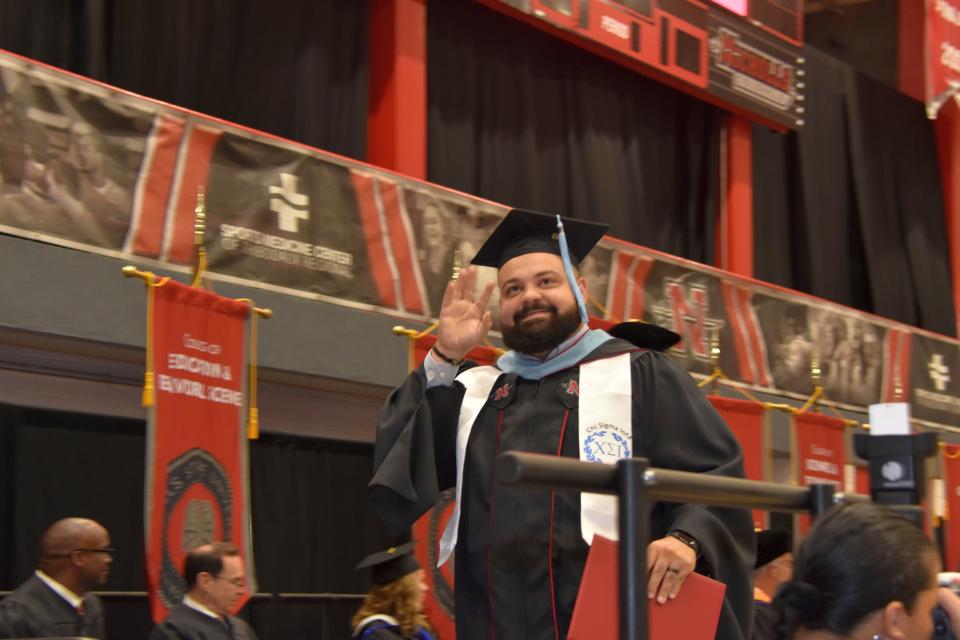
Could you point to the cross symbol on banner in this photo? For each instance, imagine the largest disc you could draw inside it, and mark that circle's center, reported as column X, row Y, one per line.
column 939, row 372
column 289, row 205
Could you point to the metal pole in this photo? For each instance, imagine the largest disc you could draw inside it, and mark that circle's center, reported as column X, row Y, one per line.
column 634, row 514
column 821, row 498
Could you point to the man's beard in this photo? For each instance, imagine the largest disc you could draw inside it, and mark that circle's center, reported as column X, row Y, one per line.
column 543, row 335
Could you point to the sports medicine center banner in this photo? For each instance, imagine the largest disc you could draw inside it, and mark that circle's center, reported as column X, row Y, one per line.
column 93, row 168
column 196, row 472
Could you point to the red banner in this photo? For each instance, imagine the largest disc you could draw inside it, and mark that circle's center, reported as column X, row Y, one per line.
column 438, row 601
column 819, row 452
column 745, row 419
column 950, row 463
column 196, row 475
column 942, row 27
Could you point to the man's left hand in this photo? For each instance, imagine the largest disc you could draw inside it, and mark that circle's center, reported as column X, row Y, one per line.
column 669, row 562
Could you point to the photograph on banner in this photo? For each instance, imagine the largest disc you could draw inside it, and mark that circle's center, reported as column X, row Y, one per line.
column 934, row 379
column 691, row 304
column 595, row 269
column 849, row 350
column 69, row 160
column 443, row 226
column 286, row 218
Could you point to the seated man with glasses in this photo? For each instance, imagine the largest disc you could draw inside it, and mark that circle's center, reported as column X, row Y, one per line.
column 215, row 581
column 55, row 601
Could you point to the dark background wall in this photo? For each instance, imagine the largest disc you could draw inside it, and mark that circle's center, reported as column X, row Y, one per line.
column 308, row 510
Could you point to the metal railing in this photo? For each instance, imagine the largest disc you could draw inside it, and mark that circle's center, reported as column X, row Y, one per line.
column 637, row 484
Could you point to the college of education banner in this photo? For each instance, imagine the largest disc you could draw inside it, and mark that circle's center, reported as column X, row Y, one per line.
column 196, row 472
column 819, row 452
column 746, row 419
column 113, row 173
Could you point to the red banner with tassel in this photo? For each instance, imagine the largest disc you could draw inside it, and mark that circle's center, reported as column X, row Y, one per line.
column 746, row 420
column 819, row 453
column 196, row 472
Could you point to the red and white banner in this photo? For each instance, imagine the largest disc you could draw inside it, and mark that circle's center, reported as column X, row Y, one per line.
column 950, row 465
column 942, row 49
column 746, row 420
column 196, row 472
column 819, row 453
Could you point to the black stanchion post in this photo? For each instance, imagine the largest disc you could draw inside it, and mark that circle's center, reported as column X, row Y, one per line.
column 634, row 513
column 821, row 498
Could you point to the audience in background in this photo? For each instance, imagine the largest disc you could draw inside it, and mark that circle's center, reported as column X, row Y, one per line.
column 863, row 572
column 773, row 567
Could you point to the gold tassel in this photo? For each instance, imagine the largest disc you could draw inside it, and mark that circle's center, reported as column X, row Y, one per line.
column 149, row 393
column 253, row 419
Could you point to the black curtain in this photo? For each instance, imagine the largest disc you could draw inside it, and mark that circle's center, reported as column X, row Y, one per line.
column 850, row 208
column 523, row 118
column 311, row 524
column 291, row 68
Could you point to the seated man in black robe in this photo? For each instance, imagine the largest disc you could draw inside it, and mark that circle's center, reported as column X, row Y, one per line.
column 562, row 390
column 215, row 583
column 75, row 557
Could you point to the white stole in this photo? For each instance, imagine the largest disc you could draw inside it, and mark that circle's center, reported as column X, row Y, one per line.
column 605, row 436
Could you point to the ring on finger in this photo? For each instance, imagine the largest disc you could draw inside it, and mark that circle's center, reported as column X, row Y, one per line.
column 672, row 570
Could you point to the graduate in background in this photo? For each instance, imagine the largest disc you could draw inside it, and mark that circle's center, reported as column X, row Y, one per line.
column 393, row 609
column 562, row 390
column 75, row 557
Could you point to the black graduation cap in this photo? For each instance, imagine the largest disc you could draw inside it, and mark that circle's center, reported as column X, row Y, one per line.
column 523, row 231
column 771, row 544
column 645, row 335
column 391, row 564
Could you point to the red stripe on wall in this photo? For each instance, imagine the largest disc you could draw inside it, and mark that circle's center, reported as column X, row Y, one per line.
column 754, row 337
column 373, row 234
column 194, row 174
column 155, row 190
column 739, row 343
column 638, row 278
column 400, row 244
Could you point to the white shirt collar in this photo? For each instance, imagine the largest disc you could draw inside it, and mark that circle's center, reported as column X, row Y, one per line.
column 196, row 606
column 72, row 599
column 378, row 616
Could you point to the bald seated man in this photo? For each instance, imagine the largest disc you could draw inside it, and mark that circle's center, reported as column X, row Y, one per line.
column 75, row 557
column 216, row 581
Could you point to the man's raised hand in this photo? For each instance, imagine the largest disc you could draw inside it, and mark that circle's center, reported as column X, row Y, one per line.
column 464, row 322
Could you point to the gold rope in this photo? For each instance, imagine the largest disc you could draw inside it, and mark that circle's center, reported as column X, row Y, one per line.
column 253, row 413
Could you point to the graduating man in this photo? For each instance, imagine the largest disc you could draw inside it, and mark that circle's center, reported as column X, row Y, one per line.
column 215, row 583
column 75, row 557
column 562, row 390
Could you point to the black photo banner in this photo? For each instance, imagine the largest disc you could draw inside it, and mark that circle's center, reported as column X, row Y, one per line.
column 297, row 220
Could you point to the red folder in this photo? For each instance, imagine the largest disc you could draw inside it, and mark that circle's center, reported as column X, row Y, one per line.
column 692, row 615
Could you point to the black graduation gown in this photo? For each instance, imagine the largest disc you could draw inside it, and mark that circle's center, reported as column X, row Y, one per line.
column 184, row 623
column 505, row 554
column 35, row 610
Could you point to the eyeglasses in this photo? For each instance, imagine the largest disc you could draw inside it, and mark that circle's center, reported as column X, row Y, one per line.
column 107, row 550
column 240, row 583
